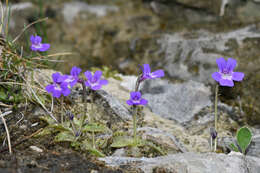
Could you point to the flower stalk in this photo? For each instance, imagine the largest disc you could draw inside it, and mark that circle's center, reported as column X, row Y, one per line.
column 134, row 124
column 216, row 116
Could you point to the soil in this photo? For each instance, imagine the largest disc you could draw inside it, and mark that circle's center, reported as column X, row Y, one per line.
column 54, row 157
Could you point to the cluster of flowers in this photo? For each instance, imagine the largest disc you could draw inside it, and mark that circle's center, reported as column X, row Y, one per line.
column 63, row 83
column 135, row 96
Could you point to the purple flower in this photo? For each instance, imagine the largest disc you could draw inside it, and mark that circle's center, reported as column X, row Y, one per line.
column 147, row 74
column 58, row 87
column 225, row 75
column 136, row 99
column 37, row 45
column 72, row 79
column 95, row 82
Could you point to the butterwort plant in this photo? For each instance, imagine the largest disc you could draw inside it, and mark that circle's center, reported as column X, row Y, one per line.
column 94, row 82
column 225, row 76
column 136, row 96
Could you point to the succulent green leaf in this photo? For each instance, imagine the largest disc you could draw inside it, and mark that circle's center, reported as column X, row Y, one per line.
column 45, row 131
column 94, row 127
column 60, row 127
column 122, row 141
column 47, row 119
column 64, row 137
column 244, row 137
column 2, row 95
column 88, row 147
column 234, row 147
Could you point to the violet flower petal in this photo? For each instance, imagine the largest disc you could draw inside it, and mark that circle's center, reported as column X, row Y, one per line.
column 75, row 71
column 157, row 74
column 103, row 82
column 146, row 69
column 65, row 90
column 87, row 84
column 88, row 75
column 56, row 92
column 135, row 95
column 96, row 87
column 44, row 47
column 237, row 76
column 216, row 76
column 129, row 102
column 97, row 75
column 231, row 64
column 143, row 102
column 49, row 88
column 221, row 64
column 226, row 82
column 56, row 77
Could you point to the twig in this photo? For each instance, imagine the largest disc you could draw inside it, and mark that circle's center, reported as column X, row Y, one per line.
column 39, row 101
column 37, row 21
column 6, row 129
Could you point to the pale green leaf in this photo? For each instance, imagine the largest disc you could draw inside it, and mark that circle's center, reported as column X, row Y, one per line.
column 44, row 132
column 64, row 137
column 88, row 147
column 47, row 119
column 122, row 141
column 94, row 127
column 244, row 137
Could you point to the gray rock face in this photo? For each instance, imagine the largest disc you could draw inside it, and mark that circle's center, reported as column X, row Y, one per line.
column 249, row 12
column 193, row 56
column 179, row 102
column 20, row 12
column 114, row 106
column 72, row 9
column 190, row 163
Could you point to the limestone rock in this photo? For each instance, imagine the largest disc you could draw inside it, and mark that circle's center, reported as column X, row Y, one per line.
column 179, row 102
column 189, row 163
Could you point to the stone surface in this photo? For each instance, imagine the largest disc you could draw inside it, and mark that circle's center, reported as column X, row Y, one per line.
column 249, row 12
column 189, row 163
column 179, row 102
column 20, row 13
column 73, row 9
column 193, row 55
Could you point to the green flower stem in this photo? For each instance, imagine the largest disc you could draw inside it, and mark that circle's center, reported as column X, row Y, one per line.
column 134, row 124
column 85, row 106
column 62, row 100
column 216, row 116
column 92, row 119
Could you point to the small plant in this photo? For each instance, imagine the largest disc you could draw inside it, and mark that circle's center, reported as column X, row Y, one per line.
column 243, row 140
column 224, row 77
column 75, row 128
column 134, row 101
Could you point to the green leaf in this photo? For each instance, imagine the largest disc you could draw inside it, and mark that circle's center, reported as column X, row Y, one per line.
column 122, row 141
column 64, row 137
column 3, row 95
column 44, row 132
column 87, row 146
column 244, row 137
column 94, row 127
column 47, row 119
column 60, row 127
column 234, row 147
